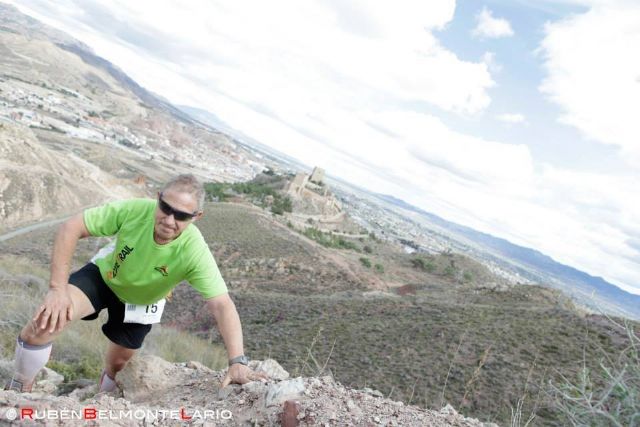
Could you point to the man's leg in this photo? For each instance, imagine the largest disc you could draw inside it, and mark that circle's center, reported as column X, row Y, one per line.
column 33, row 345
column 115, row 360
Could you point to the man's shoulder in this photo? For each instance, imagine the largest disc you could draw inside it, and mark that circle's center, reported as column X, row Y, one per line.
column 139, row 203
column 193, row 235
column 193, row 242
column 135, row 207
column 135, row 211
column 136, row 203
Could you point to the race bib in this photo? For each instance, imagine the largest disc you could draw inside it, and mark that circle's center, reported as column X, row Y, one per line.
column 144, row 314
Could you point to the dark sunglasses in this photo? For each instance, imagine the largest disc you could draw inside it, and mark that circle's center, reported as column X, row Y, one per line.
column 168, row 210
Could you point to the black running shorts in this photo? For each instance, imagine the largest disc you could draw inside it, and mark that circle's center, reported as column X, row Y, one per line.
column 89, row 281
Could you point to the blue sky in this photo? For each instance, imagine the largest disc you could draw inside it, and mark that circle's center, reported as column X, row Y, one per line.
column 518, row 118
column 521, row 72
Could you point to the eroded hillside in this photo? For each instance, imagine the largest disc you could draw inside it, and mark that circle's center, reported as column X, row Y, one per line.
column 75, row 130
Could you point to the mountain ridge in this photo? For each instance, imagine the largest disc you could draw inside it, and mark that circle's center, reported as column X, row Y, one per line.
column 533, row 258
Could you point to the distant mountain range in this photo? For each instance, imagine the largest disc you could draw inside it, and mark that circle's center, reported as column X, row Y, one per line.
column 571, row 280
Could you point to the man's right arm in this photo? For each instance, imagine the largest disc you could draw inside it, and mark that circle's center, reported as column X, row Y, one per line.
column 64, row 247
column 57, row 309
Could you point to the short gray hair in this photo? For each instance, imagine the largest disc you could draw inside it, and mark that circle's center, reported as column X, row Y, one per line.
column 187, row 183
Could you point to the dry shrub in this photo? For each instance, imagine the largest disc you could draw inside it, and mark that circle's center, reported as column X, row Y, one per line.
column 177, row 346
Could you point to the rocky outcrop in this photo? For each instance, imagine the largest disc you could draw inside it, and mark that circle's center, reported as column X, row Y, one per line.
column 155, row 392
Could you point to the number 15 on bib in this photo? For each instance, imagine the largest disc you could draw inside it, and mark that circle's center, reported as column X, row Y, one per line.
column 144, row 314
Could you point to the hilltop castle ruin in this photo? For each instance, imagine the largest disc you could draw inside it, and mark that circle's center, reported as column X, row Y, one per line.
column 313, row 202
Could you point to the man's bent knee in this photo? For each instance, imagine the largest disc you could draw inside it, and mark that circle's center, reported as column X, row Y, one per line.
column 34, row 335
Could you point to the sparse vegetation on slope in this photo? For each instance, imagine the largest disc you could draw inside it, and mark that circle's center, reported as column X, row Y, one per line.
column 606, row 394
column 330, row 240
column 265, row 191
column 487, row 350
column 408, row 347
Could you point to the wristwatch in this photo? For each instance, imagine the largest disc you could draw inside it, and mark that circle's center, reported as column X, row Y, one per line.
column 243, row 360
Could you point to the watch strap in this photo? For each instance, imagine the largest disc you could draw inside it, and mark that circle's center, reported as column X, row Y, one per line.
column 243, row 360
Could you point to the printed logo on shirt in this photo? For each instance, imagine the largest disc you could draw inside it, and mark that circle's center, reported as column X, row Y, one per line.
column 122, row 256
column 163, row 269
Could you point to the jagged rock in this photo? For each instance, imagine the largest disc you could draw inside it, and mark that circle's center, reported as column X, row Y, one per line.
column 50, row 375
column 224, row 393
column 156, row 384
column 197, row 366
column 144, row 376
column 83, row 393
column 69, row 387
column 279, row 392
column 372, row 392
column 448, row 410
column 271, row 368
column 47, row 381
column 354, row 409
column 256, row 388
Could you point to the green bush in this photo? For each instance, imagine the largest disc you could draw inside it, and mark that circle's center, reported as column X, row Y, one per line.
column 366, row 262
column 449, row 271
column 379, row 268
column 329, row 240
column 87, row 367
column 253, row 189
column 424, row 265
column 216, row 191
column 281, row 205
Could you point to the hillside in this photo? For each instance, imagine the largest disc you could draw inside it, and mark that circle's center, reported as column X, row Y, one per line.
column 423, row 336
column 75, row 130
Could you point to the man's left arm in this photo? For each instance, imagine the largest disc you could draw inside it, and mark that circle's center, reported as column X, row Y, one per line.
column 228, row 320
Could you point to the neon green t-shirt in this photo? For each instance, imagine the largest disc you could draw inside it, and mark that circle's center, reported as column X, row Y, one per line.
column 139, row 270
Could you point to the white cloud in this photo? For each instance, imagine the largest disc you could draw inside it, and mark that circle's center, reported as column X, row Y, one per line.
column 258, row 52
column 578, row 218
column 329, row 83
column 490, row 27
column 489, row 59
column 512, row 118
column 593, row 69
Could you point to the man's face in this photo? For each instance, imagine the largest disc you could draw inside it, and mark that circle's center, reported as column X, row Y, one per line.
column 167, row 227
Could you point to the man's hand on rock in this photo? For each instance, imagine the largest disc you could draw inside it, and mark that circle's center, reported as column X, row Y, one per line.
column 242, row 374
